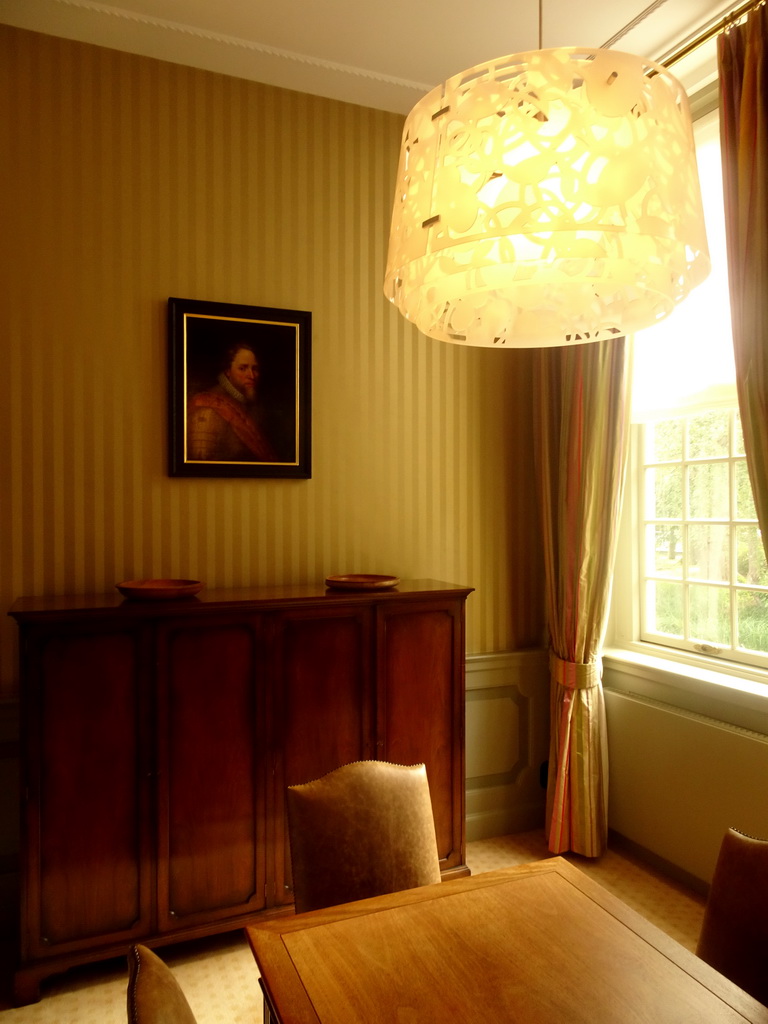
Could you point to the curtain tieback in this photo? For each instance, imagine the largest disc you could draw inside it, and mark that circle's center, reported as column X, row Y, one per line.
column 575, row 675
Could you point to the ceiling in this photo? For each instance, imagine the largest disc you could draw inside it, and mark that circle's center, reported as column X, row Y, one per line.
column 385, row 55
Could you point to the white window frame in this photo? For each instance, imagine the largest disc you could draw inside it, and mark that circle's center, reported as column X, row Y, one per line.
column 731, row 691
column 734, row 457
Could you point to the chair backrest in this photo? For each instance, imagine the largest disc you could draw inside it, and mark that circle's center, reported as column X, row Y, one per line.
column 734, row 932
column 154, row 995
column 361, row 830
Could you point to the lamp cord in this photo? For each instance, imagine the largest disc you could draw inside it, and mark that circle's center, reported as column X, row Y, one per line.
column 541, row 24
column 635, row 21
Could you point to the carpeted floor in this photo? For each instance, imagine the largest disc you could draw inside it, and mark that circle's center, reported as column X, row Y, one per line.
column 671, row 906
column 219, row 976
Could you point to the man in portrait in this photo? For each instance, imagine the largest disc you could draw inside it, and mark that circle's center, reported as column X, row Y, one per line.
column 225, row 423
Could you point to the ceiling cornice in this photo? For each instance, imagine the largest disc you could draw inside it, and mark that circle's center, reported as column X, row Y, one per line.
column 88, row 21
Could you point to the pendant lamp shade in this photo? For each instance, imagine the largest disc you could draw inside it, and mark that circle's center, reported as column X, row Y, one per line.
column 547, row 198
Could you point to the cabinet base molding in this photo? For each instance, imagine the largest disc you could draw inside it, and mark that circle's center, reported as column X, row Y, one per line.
column 27, row 979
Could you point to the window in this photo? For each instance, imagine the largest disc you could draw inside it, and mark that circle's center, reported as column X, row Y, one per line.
column 703, row 577
column 691, row 576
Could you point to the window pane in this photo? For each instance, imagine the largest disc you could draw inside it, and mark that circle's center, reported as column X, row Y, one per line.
column 738, row 438
column 708, row 436
column 750, row 555
column 752, row 608
column 665, row 608
column 708, row 491
column 664, row 441
column 745, row 503
column 664, row 493
column 665, row 553
column 710, row 614
column 709, row 553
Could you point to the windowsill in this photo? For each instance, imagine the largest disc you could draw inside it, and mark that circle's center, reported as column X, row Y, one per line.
column 726, row 694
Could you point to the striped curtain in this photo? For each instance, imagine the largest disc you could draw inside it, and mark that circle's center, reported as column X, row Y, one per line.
column 581, row 441
column 743, row 70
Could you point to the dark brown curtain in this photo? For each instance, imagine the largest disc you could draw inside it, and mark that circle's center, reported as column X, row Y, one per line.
column 744, row 143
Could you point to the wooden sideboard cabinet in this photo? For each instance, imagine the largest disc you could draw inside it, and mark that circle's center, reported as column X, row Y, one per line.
column 158, row 737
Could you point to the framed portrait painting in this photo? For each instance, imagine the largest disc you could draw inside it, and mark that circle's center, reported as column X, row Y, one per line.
column 240, row 390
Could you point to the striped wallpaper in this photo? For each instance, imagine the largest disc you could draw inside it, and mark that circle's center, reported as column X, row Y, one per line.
column 125, row 180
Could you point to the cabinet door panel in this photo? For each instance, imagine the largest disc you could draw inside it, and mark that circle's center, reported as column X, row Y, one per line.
column 211, row 777
column 420, row 700
column 88, row 790
column 323, row 705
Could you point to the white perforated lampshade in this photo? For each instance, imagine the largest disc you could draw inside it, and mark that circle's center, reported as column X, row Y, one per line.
column 547, row 198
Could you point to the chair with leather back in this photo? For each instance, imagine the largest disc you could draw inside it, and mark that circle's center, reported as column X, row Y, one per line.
column 362, row 830
column 154, row 995
column 734, row 932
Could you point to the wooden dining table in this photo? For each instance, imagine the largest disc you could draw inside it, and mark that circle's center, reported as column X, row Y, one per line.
column 541, row 943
